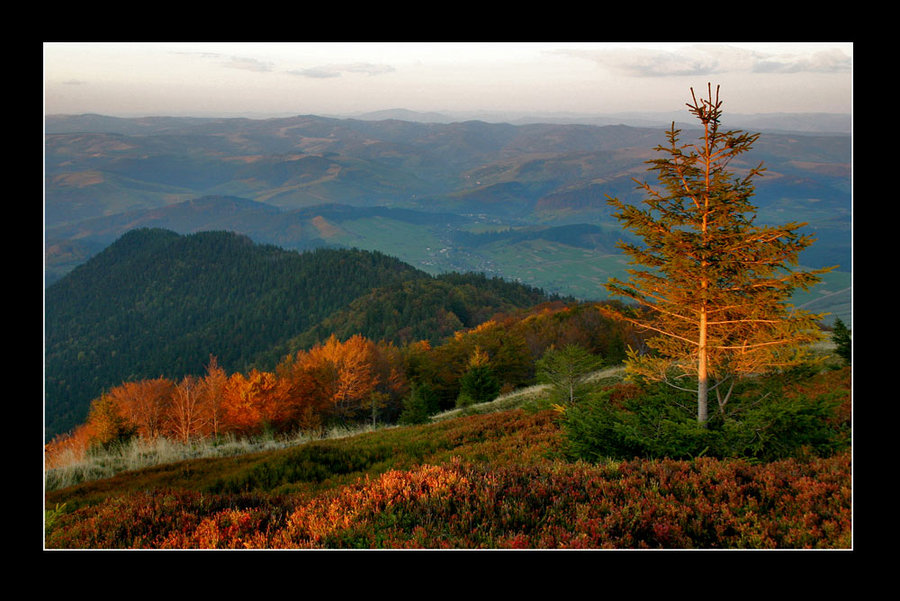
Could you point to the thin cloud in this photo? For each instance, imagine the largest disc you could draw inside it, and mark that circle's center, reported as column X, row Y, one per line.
column 231, row 61
column 327, row 71
column 248, row 64
column 824, row 61
column 710, row 59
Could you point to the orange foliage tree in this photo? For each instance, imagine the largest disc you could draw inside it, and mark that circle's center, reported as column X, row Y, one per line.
column 68, row 448
column 187, row 419
column 343, row 381
column 145, row 405
column 304, row 389
column 251, row 402
column 333, row 381
column 393, row 385
column 344, row 374
column 131, row 408
column 213, row 391
column 107, row 422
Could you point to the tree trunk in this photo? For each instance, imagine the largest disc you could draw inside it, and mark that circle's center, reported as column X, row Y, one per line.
column 702, row 375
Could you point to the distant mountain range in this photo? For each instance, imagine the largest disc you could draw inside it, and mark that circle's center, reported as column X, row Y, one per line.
column 440, row 194
column 809, row 123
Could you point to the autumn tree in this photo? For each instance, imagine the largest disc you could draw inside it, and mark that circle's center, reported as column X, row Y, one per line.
column 145, row 404
column 337, row 380
column 107, row 423
column 253, row 402
column 350, row 366
column 213, row 392
column 713, row 286
column 304, row 384
column 136, row 408
column 391, row 380
column 186, row 414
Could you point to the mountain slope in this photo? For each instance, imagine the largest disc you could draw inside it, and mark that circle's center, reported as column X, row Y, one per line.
column 158, row 303
column 423, row 309
column 491, row 175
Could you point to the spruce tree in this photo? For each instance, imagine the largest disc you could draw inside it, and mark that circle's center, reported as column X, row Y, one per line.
column 711, row 286
column 478, row 384
column 842, row 339
column 566, row 370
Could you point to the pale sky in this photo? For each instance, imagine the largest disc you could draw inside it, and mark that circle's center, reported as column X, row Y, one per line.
column 338, row 78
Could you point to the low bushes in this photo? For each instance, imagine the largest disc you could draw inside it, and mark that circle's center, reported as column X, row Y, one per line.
column 704, row 503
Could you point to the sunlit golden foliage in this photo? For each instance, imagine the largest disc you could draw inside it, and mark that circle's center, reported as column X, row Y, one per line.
column 344, row 382
column 145, row 404
column 249, row 401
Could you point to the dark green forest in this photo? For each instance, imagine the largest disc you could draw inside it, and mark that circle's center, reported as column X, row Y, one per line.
column 156, row 303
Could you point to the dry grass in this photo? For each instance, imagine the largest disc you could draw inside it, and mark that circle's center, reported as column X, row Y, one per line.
column 140, row 453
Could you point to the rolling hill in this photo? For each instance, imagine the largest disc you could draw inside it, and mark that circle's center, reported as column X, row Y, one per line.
column 98, row 166
column 408, row 189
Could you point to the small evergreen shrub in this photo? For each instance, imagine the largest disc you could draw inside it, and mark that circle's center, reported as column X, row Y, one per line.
column 656, row 423
column 842, row 338
column 566, row 370
column 761, row 422
column 418, row 406
column 478, row 385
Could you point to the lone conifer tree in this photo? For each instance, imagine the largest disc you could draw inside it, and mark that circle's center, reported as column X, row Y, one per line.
column 715, row 287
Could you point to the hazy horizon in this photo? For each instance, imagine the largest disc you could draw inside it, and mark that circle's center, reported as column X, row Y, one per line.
column 331, row 78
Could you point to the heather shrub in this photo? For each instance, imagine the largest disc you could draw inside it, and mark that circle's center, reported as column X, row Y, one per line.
column 660, row 504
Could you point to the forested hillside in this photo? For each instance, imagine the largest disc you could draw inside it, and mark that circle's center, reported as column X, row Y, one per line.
column 422, row 309
column 156, row 303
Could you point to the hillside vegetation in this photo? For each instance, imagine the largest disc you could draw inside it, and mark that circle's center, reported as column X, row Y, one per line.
column 504, row 479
